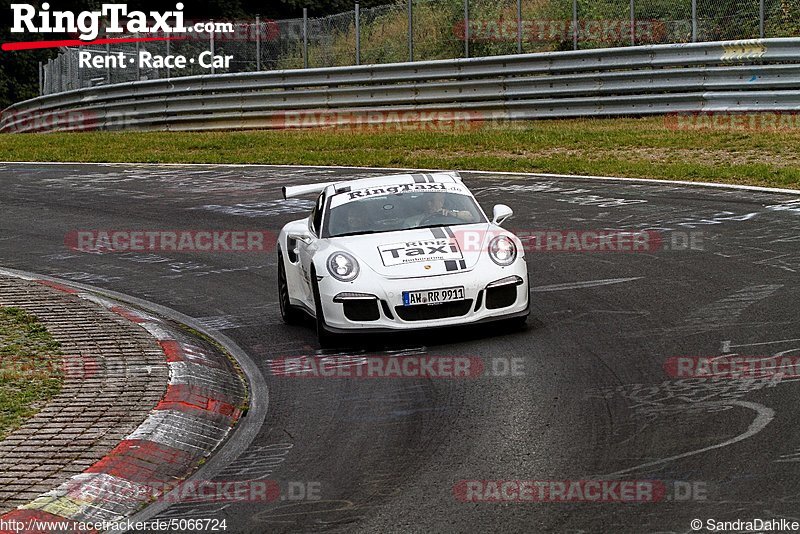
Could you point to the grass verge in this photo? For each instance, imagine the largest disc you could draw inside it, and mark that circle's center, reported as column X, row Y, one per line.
column 30, row 368
column 638, row 148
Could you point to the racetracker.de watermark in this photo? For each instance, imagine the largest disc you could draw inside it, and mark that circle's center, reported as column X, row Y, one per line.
column 733, row 367
column 377, row 121
column 70, row 366
column 108, row 490
column 202, row 241
column 579, row 491
column 585, row 241
column 732, row 121
column 42, row 121
column 549, row 30
column 442, row 367
column 225, row 31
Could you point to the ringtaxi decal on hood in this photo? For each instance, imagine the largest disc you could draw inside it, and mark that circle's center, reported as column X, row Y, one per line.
column 418, row 251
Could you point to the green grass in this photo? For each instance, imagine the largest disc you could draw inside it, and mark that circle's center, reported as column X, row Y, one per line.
column 642, row 148
column 30, row 368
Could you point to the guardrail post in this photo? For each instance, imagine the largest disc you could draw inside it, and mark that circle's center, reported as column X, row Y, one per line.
column 258, row 43
column 761, row 19
column 211, row 48
column 70, row 72
column 138, row 67
column 41, row 86
column 519, row 26
column 633, row 23
column 574, row 24
column 410, row 30
column 466, row 28
column 108, row 65
column 694, row 21
column 66, row 79
column 76, row 71
column 305, row 37
column 358, row 34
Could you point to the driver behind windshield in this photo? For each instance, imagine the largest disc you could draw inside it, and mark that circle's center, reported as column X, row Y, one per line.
column 357, row 219
column 403, row 211
column 434, row 211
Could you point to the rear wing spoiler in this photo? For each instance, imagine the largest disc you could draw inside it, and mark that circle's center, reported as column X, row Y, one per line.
column 293, row 191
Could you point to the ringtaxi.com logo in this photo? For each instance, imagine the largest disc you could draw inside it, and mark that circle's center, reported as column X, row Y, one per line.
column 116, row 18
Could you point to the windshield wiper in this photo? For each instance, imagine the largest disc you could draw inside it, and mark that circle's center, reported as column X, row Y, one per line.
column 429, row 226
column 462, row 223
column 365, row 232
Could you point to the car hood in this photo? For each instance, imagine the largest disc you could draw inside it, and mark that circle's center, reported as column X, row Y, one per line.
column 422, row 252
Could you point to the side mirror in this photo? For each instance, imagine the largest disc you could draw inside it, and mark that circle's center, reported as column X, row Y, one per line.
column 305, row 238
column 293, row 241
column 501, row 213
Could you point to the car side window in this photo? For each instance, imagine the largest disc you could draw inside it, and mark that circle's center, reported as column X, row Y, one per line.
column 316, row 214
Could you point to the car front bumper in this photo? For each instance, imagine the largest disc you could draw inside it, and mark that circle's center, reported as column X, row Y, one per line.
column 375, row 304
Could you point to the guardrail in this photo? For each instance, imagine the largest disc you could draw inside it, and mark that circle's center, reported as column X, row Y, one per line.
column 754, row 75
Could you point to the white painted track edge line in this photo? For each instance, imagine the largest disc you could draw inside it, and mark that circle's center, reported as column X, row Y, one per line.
column 393, row 169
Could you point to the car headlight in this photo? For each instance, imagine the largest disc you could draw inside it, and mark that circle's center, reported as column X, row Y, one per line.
column 503, row 251
column 343, row 266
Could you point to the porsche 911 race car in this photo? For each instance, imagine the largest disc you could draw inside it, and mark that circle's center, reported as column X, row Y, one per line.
column 396, row 253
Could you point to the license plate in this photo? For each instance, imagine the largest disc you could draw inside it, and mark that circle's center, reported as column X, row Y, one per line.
column 433, row 296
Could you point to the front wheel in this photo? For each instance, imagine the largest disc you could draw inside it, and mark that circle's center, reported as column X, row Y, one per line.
column 290, row 314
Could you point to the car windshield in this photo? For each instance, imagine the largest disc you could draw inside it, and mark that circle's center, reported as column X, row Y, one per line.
column 402, row 211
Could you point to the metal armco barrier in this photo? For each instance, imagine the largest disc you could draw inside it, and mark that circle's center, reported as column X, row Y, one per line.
column 756, row 75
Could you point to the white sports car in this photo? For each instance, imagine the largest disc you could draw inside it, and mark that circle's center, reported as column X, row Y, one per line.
column 398, row 253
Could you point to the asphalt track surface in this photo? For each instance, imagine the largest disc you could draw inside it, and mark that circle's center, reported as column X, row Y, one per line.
column 594, row 400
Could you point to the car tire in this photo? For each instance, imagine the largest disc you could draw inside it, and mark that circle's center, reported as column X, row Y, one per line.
column 325, row 338
column 290, row 314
